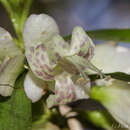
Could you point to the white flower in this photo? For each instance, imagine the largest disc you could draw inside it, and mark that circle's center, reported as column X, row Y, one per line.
column 51, row 58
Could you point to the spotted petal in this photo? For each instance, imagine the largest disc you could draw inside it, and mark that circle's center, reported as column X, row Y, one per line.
column 57, row 48
column 39, row 62
column 38, row 31
column 81, row 43
column 67, row 91
column 80, row 53
column 44, row 56
column 64, row 89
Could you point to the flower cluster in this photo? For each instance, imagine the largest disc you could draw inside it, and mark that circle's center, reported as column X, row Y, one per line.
column 62, row 67
column 51, row 58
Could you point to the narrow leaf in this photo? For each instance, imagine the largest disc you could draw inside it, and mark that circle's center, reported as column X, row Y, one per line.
column 117, row 75
column 108, row 34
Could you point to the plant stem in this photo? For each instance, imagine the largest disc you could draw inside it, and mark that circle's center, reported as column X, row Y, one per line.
column 18, row 11
column 45, row 117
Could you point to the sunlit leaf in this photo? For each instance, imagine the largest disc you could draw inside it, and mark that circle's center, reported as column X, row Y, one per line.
column 114, row 95
column 108, row 34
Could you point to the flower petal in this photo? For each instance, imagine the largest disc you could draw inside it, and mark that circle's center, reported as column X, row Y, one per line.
column 67, row 91
column 64, row 89
column 43, row 57
column 39, row 61
column 12, row 63
column 34, row 87
column 81, row 43
column 39, row 26
column 7, row 45
column 82, row 87
column 57, row 48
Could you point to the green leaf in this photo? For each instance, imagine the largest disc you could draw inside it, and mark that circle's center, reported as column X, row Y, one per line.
column 108, row 34
column 116, row 75
column 115, row 97
column 101, row 119
column 15, row 111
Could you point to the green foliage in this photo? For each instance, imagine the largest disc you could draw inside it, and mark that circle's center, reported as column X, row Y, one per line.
column 15, row 111
column 108, row 34
column 100, row 119
column 116, row 75
column 115, row 97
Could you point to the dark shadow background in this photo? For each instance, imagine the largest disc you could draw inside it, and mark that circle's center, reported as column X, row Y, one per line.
column 90, row 14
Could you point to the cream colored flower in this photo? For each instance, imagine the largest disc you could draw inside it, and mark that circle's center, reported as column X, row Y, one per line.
column 51, row 58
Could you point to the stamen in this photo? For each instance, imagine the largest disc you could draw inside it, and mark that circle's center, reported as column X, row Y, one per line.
column 94, row 68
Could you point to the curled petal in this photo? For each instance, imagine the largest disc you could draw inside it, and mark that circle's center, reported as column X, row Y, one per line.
column 81, row 43
column 38, row 26
column 77, row 58
column 43, row 57
column 38, row 33
column 34, row 87
column 39, row 62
